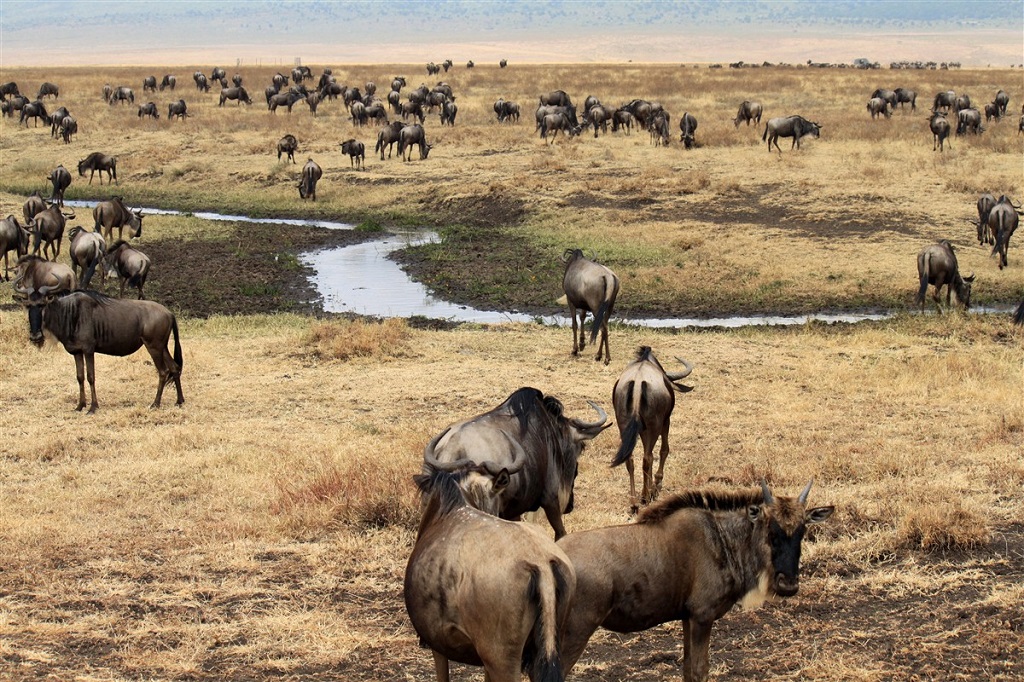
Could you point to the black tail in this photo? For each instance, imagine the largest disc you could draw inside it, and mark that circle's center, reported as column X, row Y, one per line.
column 90, row 271
column 178, row 359
column 540, row 656
column 633, row 427
column 1018, row 317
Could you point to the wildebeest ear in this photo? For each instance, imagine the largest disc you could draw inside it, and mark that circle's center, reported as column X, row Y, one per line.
column 819, row 514
column 754, row 512
column 501, row 481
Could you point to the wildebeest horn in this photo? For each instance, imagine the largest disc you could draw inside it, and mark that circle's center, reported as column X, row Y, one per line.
column 68, row 215
column 431, row 460
column 602, row 418
column 676, row 376
column 567, row 255
column 493, row 469
column 803, row 496
column 765, row 493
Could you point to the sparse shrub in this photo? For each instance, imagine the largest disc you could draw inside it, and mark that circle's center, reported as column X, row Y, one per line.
column 942, row 522
column 347, row 339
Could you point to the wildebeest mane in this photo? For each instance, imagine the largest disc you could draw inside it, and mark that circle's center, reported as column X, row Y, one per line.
column 643, row 353
column 525, row 402
column 66, row 315
column 443, row 494
column 710, row 500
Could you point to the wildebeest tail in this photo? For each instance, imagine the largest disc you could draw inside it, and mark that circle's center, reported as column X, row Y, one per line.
column 1018, row 317
column 633, row 427
column 764, row 135
column 548, row 589
column 601, row 314
column 178, row 359
column 91, row 270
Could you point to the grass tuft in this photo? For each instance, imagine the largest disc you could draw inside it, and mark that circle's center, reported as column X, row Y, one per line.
column 349, row 339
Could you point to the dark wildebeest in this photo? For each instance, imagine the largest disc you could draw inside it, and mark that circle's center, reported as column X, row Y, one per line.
column 936, row 265
column 690, row 557
column 55, row 119
column 642, row 111
column 408, row 109
column 556, row 98
column 876, row 106
column 470, row 64
column 356, row 151
column 47, row 90
column 395, row 101
column 448, row 111
column 34, row 110
column 87, row 322
column 113, row 213
column 398, row 83
column 48, row 227
column 13, row 237
column 300, row 73
column 552, row 123
column 590, row 102
column 285, row 99
column 623, row 118
column 502, row 63
column 218, row 74
column 149, row 109
column 98, row 161
column 944, row 100
column 202, row 82
column 1002, row 223
column 968, row 121
column 168, row 81
column 789, row 126
column 376, row 113
column 589, row 288
column 387, row 137
column 86, row 250
column 238, row 93
column 905, row 96
column 34, row 205
column 68, row 127
column 129, row 265
column 122, row 93
column 358, row 111
column 36, row 279
column 60, row 178
column 311, row 174
column 658, row 128
column 149, row 84
column 279, row 80
column 749, row 111
column 413, row 135
column 940, row 130
column 1002, row 100
column 687, row 128
column 962, row 102
column 524, row 453
column 313, row 101
column 985, row 204
column 454, row 583
column 9, row 90
column 177, row 109
column 887, row 96
column 644, row 397
column 433, row 69
column 598, row 116
column 236, row 80
column 287, row 145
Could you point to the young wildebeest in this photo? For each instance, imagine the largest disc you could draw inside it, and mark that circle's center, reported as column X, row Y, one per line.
column 691, row 557
column 55, row 119
column 644, row 397
column 113, row 213
column 589, row 288
column 13, row 237
column 749, row 111
column 876, row 106
column 356, row 153
column 60, row 178
column 97, row 161
column 129, row 265
column 68, row 128
column 936, row 265
column 456, row 585
column 287, row 145
column 1002, row 223
column 985, row 204
column 34, row 205
column 311, row 174
column 149, row 109
column 789, row 126
column 388, row 136
column 87, row 250
column 940, row 130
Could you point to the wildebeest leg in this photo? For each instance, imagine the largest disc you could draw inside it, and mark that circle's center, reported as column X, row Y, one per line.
column 633, row 506
column 647, row 495
column 441, row 667
column 604, row 339
column 662, row 456
column 167, row 369
column 80, row 373
column 698, row 637
column 583, row 320
column 554, row 515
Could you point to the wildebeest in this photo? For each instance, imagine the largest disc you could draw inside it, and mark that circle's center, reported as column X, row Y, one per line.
column 589, row 287
column 47, row 229
column 433, row 69
column 985, row 204
column 453, row 585
column 122, row 93
column 887, row 96
column 623, row 118
column 944, row 100
column 408, row 109
column 287, row 145
column 237, row 93
column 687, row 128
column 748, row 111
column 358, row 111
column 283, row 99
column 311, row 174
column 34, row 204
column 356, row 151
column 598, row 116
column 524, row 453
column 300, row 73
column 168, row 81
column 1002, row 100
column 48, row 90
column 236, row 80
column 1002, row 223
column 940, row 130
column 470, row 64
column 34, row 110
column 177, row 110
column 86, row 250
column 149, row 109
column 413, row 135
column 218, row 74
column 149, row 84
column 557, row 98
column 936, row 265
column 642, row 111
column 129, row 265
column 202, row 82
column 657, row 126
column 9, row 89
column 644, row 397
column 387, row 137
column 876, row 106
column 962, row 102
column 552, row 123
column 905, row 96
column 68, row 128
column 690, row 557
column 55, row 118
column 108, row 90
column 87, row 322
column 13, row 237
column 98, row 161
column 968, row 121
column 448, row 111
column 991, row 111
column 36, row 279
column 113, row 213
column 397, row 83
column 60, row 178
column 502, row 63
column 789, row 126
column 505, row 110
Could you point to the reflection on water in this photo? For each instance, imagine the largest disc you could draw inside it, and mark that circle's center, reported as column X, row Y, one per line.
column 208, row 215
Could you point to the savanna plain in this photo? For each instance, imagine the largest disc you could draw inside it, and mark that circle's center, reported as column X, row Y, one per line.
column 261, row 530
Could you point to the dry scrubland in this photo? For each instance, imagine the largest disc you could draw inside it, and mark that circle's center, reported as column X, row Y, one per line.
column 261, row 531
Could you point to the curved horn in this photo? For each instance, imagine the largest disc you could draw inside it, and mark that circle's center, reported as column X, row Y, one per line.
column 68, row 215
column 18, row 289
column 676, row 376
column 493, row 468
column 593, row 255
column 602, row 418
column 803, row 496
column 45, row 290
column 767, row 494
column 431, row 460
column 567, row 255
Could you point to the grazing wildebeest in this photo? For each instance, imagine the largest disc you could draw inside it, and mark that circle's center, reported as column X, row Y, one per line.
column 60, row 178
column 98, row 161
column 552, row 123
column 876, row 106
column 149, row 84
column 34, row 110
column 13, row 237
column 936, row 265
column 968, row 121
column 789, row 126
column 690, row 557
column 87, row 322
column 356, row 151
column 687, row 128
column 408, row 109
column 519, row 457
column 311, row 174
column 47, row 90
column 940, row 130
column 1002, row 223
column 905, row 96
column 453, row 587
column 642, row 111
column 887, row 96
column 1002, row 100
column 177, row 109
column 944, row 100
column 748, row 111
column 55, row 119
column 287, row 145
column 129, row 265
column 237, row 93
column 168, row 81
column 644, row 397
column 122, row 93
column 202, row 82
column 218, row 74
column 47, row 228
column 149, row 109
column 985, row 204
column 387, row 137
column 413, row 135
column 86, row 250
column 448, row 111
column 991, row 111
column 9, row 89
column 113, row 213
column 623, row 118
column 34, row 205
column 658, row 128
column 68, row 128
column 589, row 287
column 446, row 64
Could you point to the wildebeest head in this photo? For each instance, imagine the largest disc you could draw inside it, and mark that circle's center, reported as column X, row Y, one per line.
column 38, row 283
column 783, row 522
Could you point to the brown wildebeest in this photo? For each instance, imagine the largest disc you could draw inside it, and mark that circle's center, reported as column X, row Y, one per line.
column 34, row 110
column 936, row 265
column 905, row 96
column 237, row 93
column 413, row 135
column 557, row 98
column 502, row 610
column 33, row 205
column 985, row 204
column 387, row 137
column 60, row 178
column 68, row 128
column 690, row 557
column 98, row 161
column 524, row 453
column 356, row 151
column 789, row 126
column 589, row 288
column 287, row 145
column 940, row 130
column 168, row 81
column 149, row 84
column 623, row 118
column 644, row 397
column 876, row 106
column 13, row 237
column 129, row 265
column 311, row 174
column 552, row 123
column 48, row 227
column 687, row 130
column 1002, row 223
column 48, row 90
column 748, row 111
column 177, row 110
column 149, row 109
column 408, row 109
column 113, row 213
column 36, row 279
column 87, row 322
column 87, row 250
